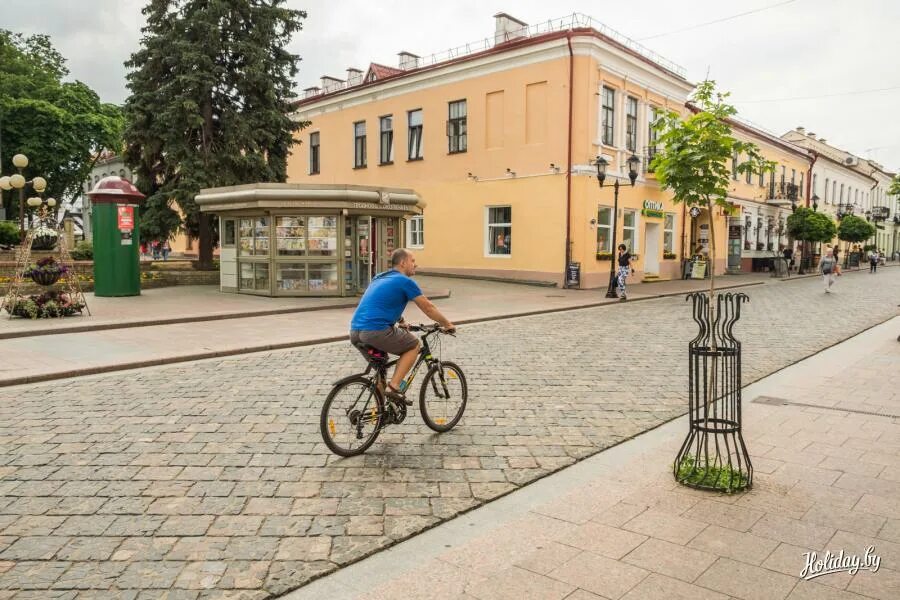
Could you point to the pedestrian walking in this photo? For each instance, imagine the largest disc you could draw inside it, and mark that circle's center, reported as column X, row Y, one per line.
column 625, row 270
column 827, row 268
column 154, row 247
column 165, row 249
column 788, row 253
column 873, row 261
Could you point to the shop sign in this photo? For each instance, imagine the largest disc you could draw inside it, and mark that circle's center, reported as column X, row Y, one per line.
column 652, row 208
column 573, row 274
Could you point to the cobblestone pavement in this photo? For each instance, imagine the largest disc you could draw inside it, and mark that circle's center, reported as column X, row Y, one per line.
column 209, row 480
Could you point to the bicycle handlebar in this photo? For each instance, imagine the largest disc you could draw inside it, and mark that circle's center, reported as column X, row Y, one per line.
column 432, row 328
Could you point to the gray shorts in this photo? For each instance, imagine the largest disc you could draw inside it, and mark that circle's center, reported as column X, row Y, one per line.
column 392, row 340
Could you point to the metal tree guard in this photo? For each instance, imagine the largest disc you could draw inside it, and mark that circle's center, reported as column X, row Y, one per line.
column 713, row 455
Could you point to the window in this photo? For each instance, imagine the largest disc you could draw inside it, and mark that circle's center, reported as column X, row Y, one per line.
column 669, row 233
column 833, row 191
column 631, row 107
column 314, row 153
column 827, row 181
column 499, row 230
column 608, row 116
column 228, row 233
column 815, row 184
column 793, row 175
column 842, row 194
column 734, row 165
column 749, row 176
column 414, row 137
column 386, row 154
column 629, row 230
column 416, row 232
column 604, row 229
column 762, row 178
column 359, row 145
column 783, row 172
column 456, row 127
column 652, row 136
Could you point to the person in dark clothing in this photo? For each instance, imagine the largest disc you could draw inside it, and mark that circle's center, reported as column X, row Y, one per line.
column 789, row 257
column 625, row 269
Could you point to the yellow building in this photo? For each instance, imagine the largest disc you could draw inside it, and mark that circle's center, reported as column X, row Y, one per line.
column 757, row 228
column 499, row 141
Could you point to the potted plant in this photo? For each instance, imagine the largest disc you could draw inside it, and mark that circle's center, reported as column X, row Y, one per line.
column 46, row 272
column 668, row 255
column 44, row 238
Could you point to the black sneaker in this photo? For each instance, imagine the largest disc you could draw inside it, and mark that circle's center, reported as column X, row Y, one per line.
column 397, row 396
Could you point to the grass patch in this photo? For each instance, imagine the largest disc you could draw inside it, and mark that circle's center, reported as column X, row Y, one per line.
column 724, row 478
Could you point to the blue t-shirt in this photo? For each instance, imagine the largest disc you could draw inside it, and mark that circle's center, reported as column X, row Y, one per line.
column 384, row 301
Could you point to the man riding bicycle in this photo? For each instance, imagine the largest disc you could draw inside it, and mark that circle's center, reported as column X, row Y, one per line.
column 382, row 306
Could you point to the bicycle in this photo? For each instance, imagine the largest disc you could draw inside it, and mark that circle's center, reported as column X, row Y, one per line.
column 357, row 407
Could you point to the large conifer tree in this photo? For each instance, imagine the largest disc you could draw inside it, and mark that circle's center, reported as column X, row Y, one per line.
column 211, row 88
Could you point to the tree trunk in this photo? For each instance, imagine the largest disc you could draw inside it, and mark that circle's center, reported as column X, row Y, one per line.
column 205, row 243
column 713, row 363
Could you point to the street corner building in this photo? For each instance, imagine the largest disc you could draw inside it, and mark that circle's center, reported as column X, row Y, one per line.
column 499, row 139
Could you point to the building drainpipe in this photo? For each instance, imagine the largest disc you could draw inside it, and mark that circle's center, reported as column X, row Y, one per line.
column 569, row 166
column 809, row 176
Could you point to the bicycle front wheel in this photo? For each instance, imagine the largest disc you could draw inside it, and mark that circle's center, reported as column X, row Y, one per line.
column 443, row 397
column 351, row 417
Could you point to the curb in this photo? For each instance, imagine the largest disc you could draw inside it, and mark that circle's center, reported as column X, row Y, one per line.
column 176, row 320
column 44, row 377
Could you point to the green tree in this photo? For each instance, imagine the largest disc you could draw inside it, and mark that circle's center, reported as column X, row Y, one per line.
column 895, row 186
column 854, row 229
column 61, row 126
column 807, row 225
column 211, row 91
column 694, row 154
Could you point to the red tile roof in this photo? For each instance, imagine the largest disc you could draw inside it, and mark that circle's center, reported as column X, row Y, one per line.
column 377, row 72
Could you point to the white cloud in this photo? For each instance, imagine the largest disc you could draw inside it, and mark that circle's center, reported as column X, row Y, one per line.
column 806, row 48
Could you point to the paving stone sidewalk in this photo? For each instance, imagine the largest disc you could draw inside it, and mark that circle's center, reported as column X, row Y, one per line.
column 618, row 526
column 209, row 479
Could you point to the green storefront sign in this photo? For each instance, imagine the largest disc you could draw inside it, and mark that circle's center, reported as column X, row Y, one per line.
column 653, row 209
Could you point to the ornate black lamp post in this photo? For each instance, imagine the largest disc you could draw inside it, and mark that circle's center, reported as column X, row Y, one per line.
column 18, row 181
column 601, row 164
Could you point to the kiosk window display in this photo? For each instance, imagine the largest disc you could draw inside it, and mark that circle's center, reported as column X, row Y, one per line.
column 295, row 239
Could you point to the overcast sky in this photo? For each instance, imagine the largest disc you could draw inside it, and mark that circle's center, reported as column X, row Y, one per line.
column 804, row 48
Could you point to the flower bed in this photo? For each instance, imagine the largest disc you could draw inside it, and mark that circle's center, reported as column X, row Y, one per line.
column 45, row 306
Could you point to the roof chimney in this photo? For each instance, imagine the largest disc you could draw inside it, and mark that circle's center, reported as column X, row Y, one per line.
column 354, row 76
column 408, row 60
column 811, row 134
column 822, row 140
column 801, row 130
column 507, row 28
column 329, row 84
column 311, row 91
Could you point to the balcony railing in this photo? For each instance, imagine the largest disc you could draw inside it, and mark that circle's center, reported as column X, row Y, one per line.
column 782, row 192
column 880, row 213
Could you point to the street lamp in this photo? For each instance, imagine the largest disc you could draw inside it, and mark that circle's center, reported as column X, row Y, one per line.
column 815, row 202
column 17, row 181
column 601, row 164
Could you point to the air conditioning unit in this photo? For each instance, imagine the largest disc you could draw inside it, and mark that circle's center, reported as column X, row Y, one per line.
column 851, row 161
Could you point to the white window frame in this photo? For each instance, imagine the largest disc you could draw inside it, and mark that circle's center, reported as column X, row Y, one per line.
column 615, row 96
column 636, row 240
column 607, row 228
column 413, row 232
column 672, row 231
column 487, row 230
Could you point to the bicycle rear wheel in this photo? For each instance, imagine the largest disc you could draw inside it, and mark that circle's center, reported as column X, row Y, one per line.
column 443, row 396
column 352, row 416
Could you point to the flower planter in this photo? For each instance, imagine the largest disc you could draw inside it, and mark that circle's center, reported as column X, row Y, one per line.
column 45, row 277
column 44, row 241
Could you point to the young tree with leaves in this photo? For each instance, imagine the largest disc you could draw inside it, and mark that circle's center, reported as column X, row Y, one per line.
column 211, row 91
column 61, row 126
column 694, row 154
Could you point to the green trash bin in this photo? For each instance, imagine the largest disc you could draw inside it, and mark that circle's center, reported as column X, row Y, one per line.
column 116, row 204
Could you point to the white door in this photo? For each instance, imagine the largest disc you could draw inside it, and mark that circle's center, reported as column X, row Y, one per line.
column 651, row 249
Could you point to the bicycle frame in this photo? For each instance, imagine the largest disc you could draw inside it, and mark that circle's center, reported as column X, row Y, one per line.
column 424, row 356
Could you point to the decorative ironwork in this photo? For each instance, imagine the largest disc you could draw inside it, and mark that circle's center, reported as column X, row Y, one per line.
column 45, row 221
column 713, row 455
